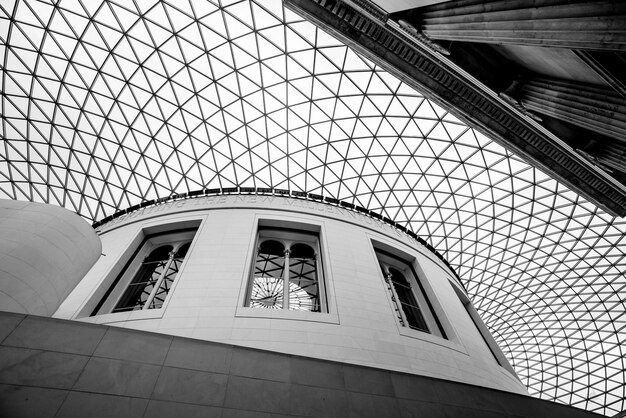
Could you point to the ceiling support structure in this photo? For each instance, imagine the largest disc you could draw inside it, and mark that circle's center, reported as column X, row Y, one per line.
column 369, row 31
column 611, row 158
column 591, row 107
column 594, row 25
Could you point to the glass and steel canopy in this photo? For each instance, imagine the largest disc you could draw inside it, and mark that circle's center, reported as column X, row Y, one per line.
column 108, row 104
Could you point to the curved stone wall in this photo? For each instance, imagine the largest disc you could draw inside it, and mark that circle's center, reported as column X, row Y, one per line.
column 45, row 251
column 359, row 322
column 58, row 368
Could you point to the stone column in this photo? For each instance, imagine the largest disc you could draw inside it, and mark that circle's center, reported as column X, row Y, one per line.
column 594, row 25
column 599, row 109
column 611, row 156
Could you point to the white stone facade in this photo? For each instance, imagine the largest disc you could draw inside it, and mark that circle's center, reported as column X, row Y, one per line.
column 207, row 300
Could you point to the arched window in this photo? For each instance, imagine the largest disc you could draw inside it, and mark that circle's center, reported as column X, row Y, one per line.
column 149, row 275
column 287, row 272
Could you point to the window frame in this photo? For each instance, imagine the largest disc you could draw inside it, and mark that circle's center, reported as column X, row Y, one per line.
column 177, row 237
column 288, row 236
column 386, row 260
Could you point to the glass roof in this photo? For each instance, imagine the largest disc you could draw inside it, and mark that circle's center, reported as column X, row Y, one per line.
column 105, row 105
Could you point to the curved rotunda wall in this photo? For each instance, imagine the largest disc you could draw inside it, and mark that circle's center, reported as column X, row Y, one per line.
column 45, row 251
column 357, row 321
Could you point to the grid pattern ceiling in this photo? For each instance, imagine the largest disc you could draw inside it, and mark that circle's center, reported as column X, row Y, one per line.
column 105, row 105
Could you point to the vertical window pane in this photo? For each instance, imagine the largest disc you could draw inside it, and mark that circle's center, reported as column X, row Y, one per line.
column 267, row 288
column 303, row 281
column 407, row 300
column 168, row 278
column 140, row 288
column 166, row 284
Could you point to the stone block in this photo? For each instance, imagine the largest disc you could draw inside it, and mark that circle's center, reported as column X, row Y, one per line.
column 367, row 380
column 199, row 355
column 118, row 377
column 260, row 364
column 374, row 406
column 468, row 396
column 96, row 405
column 318, row 402
column 124, row 344
column 30, row 402
column 418, row 409
column 190, row 386
column 414, row 387
column 521, row 405
column 54, row 335
column 8, row 322
column 22, row 366
column 257, row 395
column 313, row 372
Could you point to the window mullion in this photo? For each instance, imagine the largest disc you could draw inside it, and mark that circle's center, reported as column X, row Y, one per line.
column 159, row 281
column 396, row 300
column 286, row 281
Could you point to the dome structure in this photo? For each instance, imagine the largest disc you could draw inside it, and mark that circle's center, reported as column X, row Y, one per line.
column 108, row 105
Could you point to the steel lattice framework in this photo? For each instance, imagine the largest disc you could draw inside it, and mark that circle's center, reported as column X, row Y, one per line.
column 105, row 105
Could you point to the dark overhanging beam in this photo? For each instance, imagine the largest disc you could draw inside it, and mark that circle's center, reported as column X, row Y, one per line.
column 415, row 63
column 592, row 25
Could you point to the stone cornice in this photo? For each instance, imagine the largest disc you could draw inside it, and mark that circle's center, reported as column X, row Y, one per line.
column 418, row 64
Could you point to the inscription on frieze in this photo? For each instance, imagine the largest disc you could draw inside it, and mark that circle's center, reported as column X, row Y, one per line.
column 261, row 202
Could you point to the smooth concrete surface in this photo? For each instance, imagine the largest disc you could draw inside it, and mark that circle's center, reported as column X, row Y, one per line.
column 207, row 299
column 45, row 251
column 89, row 370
